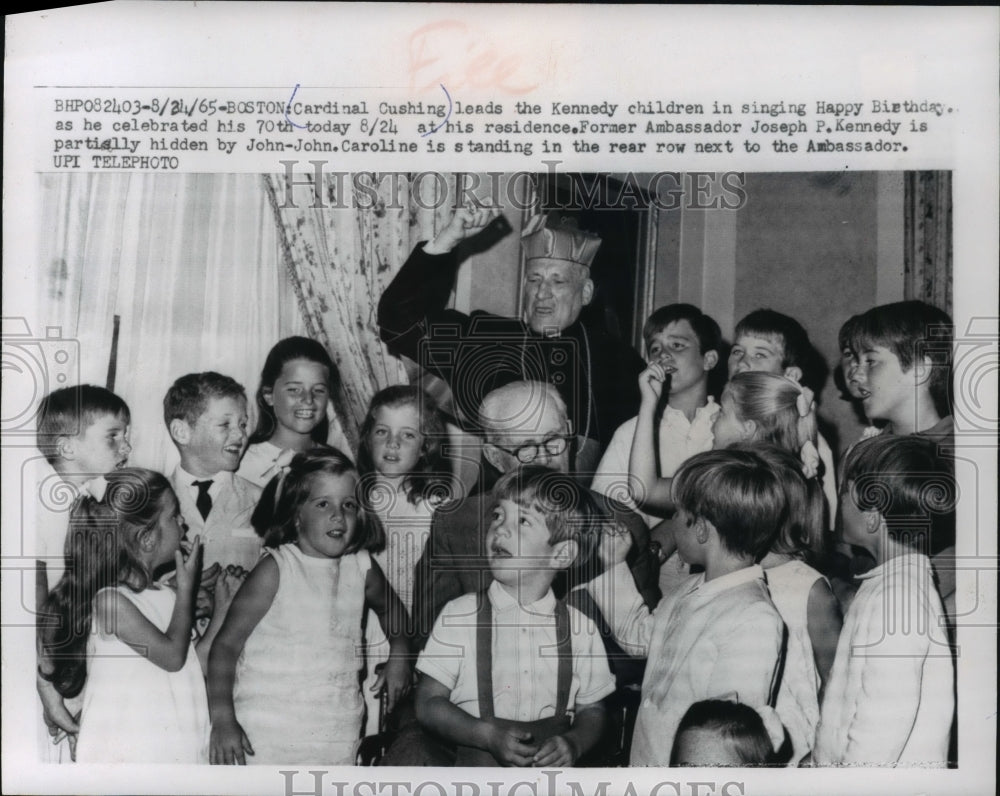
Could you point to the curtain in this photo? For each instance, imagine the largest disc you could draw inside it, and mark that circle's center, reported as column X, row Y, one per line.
column 191, row 264
column 927, row 251
column 340, row 257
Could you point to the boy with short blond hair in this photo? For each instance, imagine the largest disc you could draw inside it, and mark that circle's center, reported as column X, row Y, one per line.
column 503, row 670
column 206, row 415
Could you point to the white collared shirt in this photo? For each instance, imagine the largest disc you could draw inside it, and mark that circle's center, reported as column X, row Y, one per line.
column 226, row 534
column 709, row 639
column 680, row 439
column 525, row 660
column 890, row 696
column 219, row 480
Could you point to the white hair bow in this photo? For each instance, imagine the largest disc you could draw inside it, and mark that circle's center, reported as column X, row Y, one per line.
column 810, row 459
column 280, row 464
column 806, row 402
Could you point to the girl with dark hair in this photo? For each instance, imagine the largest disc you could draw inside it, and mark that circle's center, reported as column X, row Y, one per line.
column 128, row 638
column 283, row 673
column 404, row 475
column 296, row 386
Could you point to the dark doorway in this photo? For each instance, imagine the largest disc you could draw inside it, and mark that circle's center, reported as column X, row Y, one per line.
column 619, row 212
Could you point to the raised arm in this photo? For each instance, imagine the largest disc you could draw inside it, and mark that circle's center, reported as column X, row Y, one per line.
column 229, row 743
column 421, row 288
column 116, row 615
column 615, row 593
column 649, row 491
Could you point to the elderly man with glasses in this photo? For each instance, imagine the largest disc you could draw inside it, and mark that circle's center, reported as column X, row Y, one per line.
column 524, row 422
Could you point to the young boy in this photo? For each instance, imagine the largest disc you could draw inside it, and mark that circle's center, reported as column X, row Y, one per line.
column 771, row 342
column 686, row 343
column 83, row 433
column 890, row 696
column 206, row 414
column 503, row 669
column 719, row 635
column 900, row 368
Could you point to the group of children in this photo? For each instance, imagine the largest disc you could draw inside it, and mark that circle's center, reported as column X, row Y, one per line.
column 222, row 614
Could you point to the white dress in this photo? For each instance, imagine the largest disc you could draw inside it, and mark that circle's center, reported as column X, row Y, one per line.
column 798, row 703
column 136, row 712
column 407, row 526
column 297, row 694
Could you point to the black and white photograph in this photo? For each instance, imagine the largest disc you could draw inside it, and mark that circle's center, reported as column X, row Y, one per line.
column 355, row 444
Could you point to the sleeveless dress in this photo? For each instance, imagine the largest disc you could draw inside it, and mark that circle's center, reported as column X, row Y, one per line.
column 798, row 703
column 136, row 712
column 297, row 694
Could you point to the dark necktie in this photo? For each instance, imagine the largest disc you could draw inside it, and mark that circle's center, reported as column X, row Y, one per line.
column 204, row 500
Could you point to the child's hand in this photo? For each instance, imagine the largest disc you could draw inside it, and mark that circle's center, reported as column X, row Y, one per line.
column 209, row 575
column 615, row 543
column 57, row 718
column 203, row 601
column 512, row 747
column 651, row 383
column 188, row 569
column 225, row 589
column 397, row 679
column 229, row 745
column 556, row 751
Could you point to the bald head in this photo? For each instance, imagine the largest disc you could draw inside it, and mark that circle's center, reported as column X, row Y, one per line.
column 525, row 413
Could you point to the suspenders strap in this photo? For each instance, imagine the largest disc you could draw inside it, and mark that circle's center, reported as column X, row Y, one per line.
column 484, row 657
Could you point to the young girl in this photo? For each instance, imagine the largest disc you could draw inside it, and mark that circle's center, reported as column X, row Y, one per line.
column 404, row 476
column 283, row 673
column 404, row 479
column 128, row 638
column 295, row 388
column 717, row 732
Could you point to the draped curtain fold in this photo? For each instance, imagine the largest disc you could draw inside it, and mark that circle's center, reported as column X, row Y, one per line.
column 927, row 253
column 189, row 262
column 340, row 257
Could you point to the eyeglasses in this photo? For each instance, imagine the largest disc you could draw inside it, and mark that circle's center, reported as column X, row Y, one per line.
column 553, row 445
